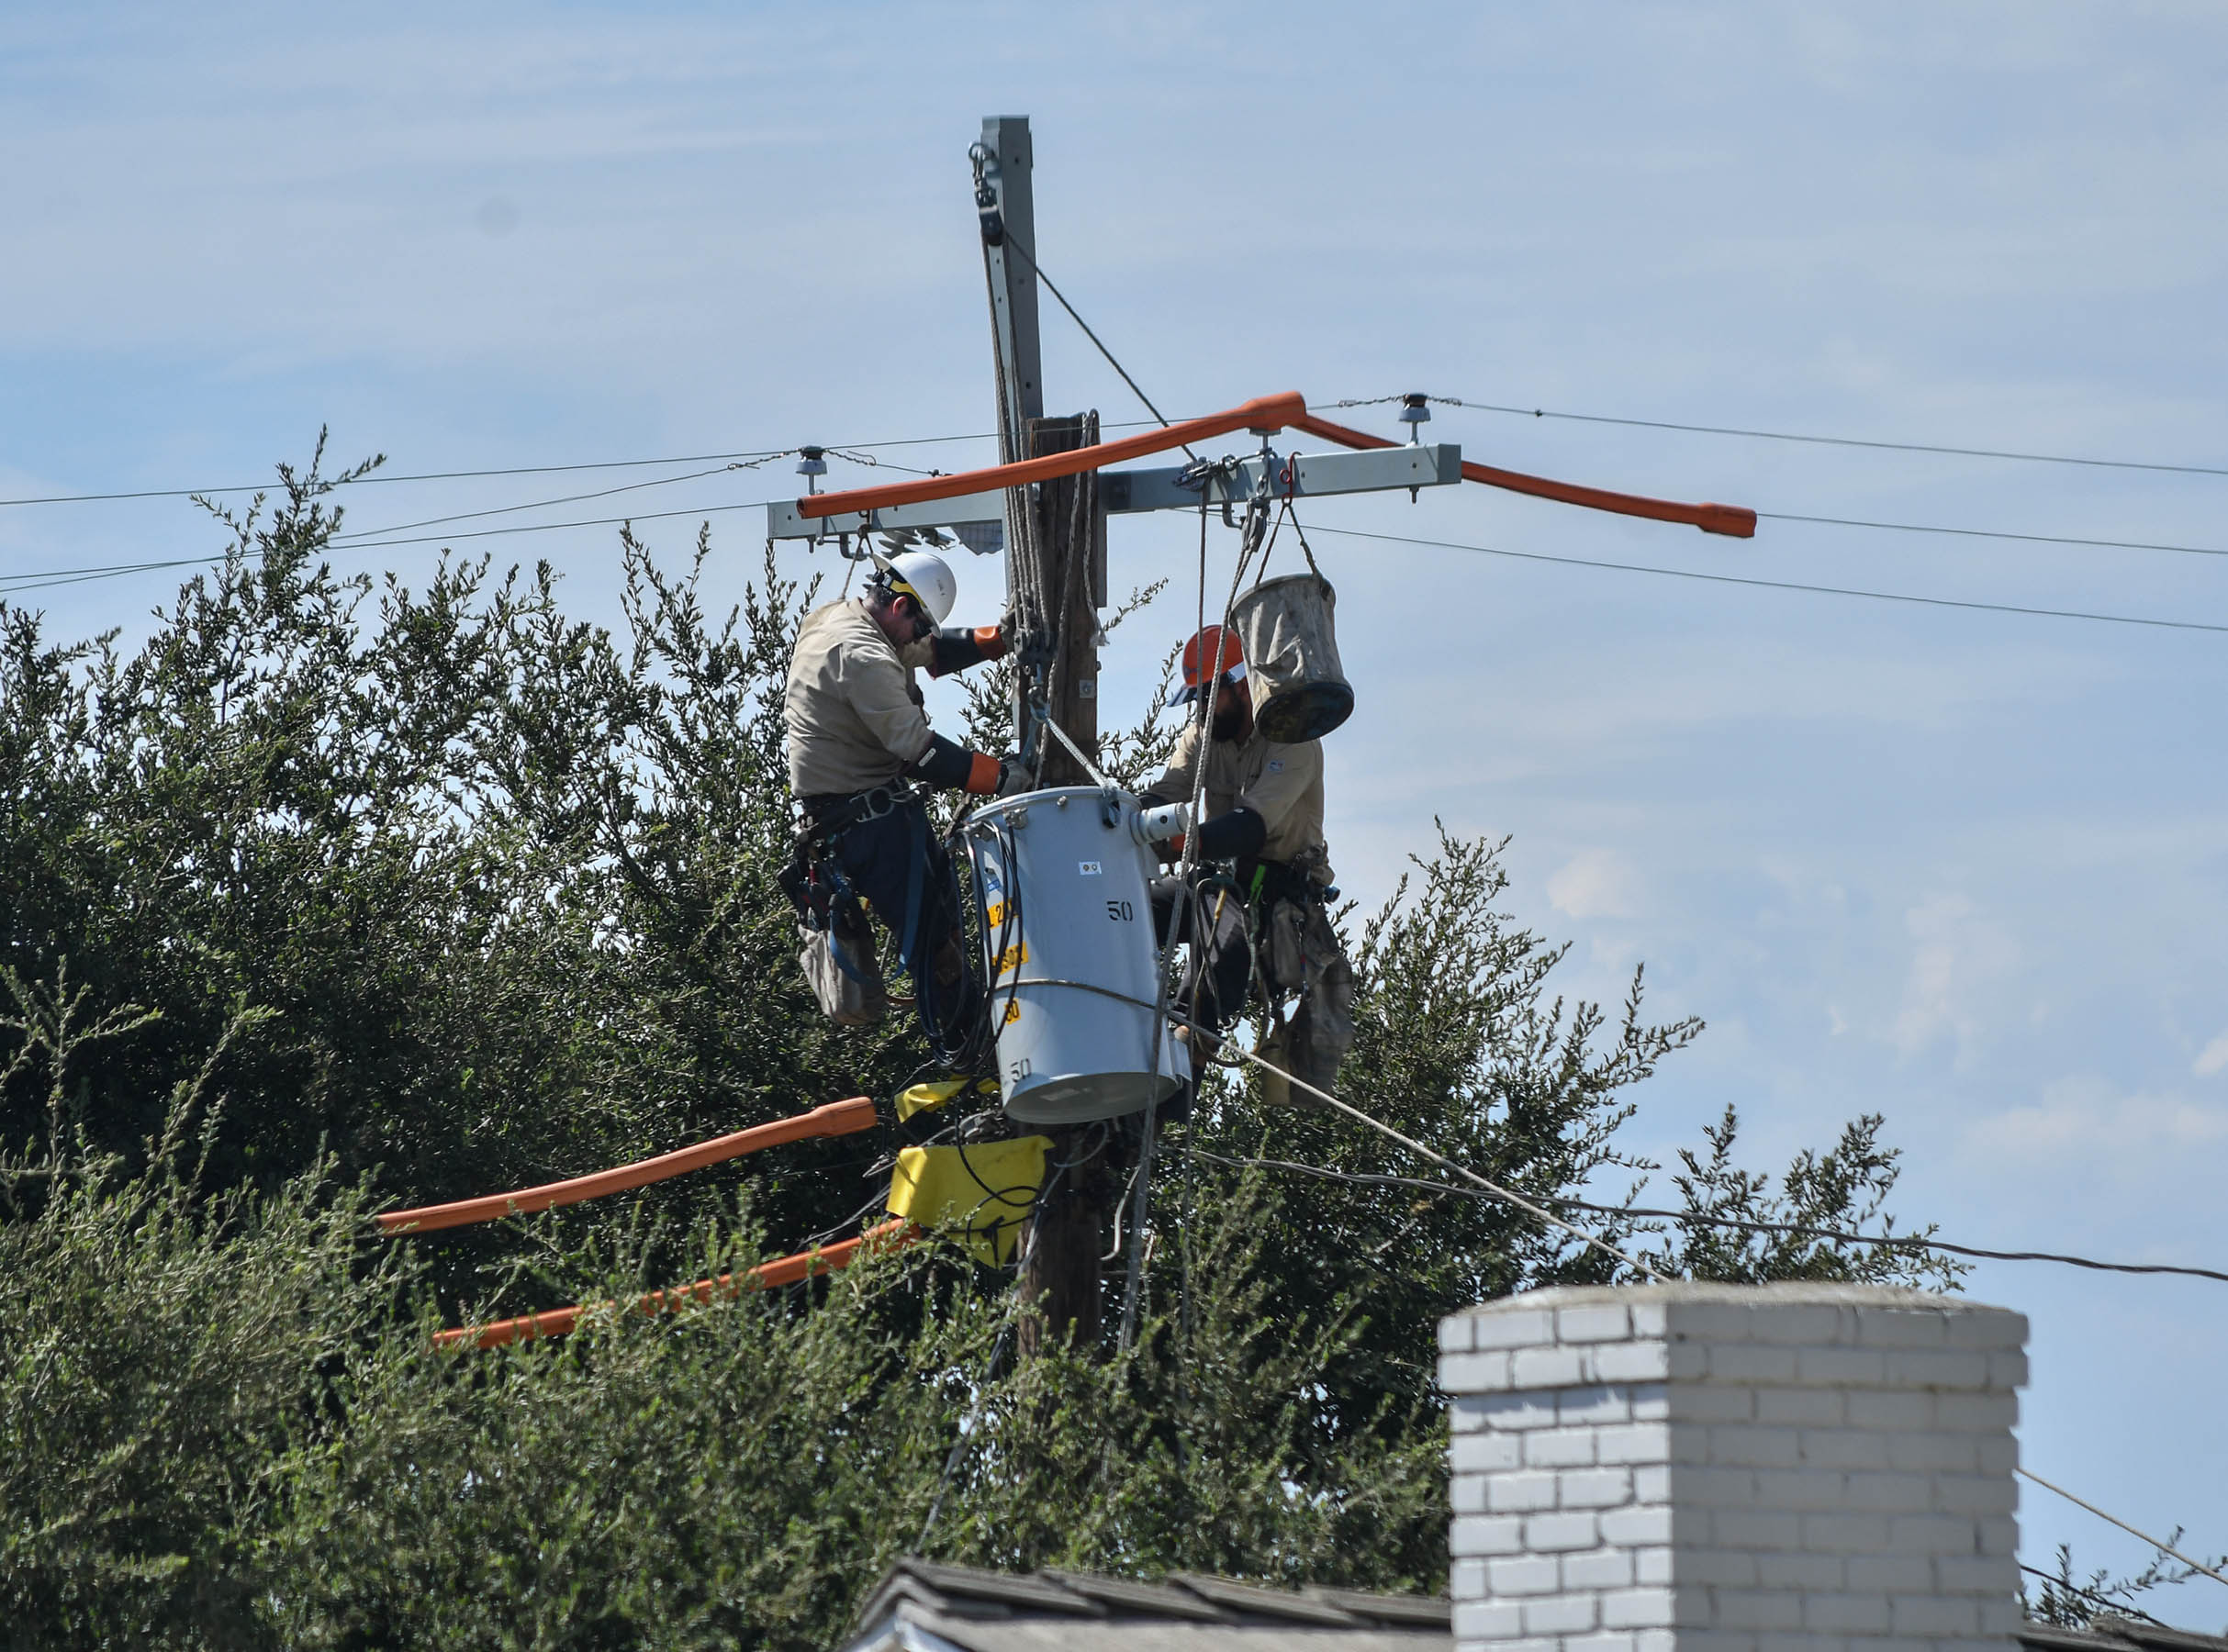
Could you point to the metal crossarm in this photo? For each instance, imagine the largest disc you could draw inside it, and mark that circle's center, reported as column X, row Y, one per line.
column 1160, row 487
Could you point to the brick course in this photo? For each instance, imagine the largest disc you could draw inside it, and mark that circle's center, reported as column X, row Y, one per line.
column 1719, row 1468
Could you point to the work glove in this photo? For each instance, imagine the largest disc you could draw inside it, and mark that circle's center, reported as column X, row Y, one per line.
column 1014, row 778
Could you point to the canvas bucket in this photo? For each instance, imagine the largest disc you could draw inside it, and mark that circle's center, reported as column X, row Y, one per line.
column 1300, row 692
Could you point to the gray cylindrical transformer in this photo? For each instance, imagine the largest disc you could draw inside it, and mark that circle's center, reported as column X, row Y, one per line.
column 1061, row 876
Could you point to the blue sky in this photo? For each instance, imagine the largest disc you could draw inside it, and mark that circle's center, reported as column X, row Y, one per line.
column 1967, row 869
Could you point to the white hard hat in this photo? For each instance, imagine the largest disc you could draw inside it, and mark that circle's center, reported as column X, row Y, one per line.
column 926, row 577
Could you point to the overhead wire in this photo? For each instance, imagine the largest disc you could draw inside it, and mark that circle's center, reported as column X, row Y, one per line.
column 2089, row 1594
column 1749, row 1224
column 1850, row 441
column 850, row 457
column 2163, row 1548
column 469, row 516
column 1494, row 1190
column 1785, row 585
column 1993, row 533
column 63, row 577
column 513, row 470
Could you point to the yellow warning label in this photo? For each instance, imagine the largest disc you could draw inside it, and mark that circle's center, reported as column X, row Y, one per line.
column 1013, row 957
column 1013, row 1012
column 994, row 914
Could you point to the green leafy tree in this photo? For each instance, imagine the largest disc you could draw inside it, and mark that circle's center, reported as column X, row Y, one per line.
column 332, row 894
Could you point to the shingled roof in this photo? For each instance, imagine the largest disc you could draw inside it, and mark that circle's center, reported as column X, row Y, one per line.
column 2117, row 1635
column 921, row 1607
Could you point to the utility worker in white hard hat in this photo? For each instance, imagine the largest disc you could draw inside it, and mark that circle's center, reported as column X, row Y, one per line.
column 1261, row 822
column 857, row 736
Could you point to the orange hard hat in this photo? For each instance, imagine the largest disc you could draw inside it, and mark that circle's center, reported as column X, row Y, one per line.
column 1214, row 645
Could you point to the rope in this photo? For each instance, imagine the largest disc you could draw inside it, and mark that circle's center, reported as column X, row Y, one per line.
column 2196, row 1566
column 1134, row 1282
column 982, row 1393
column 1411, row 1145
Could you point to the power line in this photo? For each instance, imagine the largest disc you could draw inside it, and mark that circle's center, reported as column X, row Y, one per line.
column 14, row 584
column 1697, row 1219
column 1994, row 533
column 517, row 470
column 1784, row 584
column 2196, row 1566
column 1854, row 441
column 2089, row 1594
column 467, row 516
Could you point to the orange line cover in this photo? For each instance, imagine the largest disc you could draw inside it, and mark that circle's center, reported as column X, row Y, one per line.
column 836, row 1118
column 1263, row 413
column 1736, row 521
column 782, row 1270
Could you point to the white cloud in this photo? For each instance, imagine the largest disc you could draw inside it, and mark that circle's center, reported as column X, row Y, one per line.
column 2212, row 1058
column 2083, row 1119
column 1960, row 953
column 1594, row 883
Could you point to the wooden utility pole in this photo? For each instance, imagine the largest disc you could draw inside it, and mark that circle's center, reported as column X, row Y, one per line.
column 1055, row 536
column 1060, row 1274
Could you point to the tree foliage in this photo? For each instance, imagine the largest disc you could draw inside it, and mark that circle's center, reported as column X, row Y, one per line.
column 332, row 895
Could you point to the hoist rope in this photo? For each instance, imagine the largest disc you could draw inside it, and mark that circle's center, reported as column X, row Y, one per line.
column 1252, row 537
column 835, row 1119
column 1385, row 1130
column 966, row 1436
column 782, row 1270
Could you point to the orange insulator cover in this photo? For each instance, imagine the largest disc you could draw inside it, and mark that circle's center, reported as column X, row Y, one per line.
column 1736, row 521
column 782, row 1270
column 836, row 1118
column 1263, row 413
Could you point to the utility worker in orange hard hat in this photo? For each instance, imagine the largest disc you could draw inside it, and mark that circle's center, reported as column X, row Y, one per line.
column 1261, row 824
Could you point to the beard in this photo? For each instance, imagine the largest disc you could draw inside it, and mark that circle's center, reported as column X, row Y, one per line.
column 1230, row 725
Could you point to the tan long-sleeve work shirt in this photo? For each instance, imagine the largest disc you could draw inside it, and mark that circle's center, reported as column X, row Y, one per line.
column 851, row 706
column 1282, row 784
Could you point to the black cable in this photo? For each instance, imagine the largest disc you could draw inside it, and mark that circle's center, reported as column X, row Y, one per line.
column 1783, row 585
column 2089, row 1594
column 515, row 470
column 1899, row 447
column 467, row 516
column 1994, row 533
column 1038, row 270
column 1695, row 1219
column 1621, row 1211
column 62, row 576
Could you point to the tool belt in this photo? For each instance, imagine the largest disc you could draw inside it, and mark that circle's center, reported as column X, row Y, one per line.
column 815, row 883
column 828, row 815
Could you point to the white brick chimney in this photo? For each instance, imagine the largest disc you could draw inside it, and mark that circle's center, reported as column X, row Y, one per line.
column 1734, row 1469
